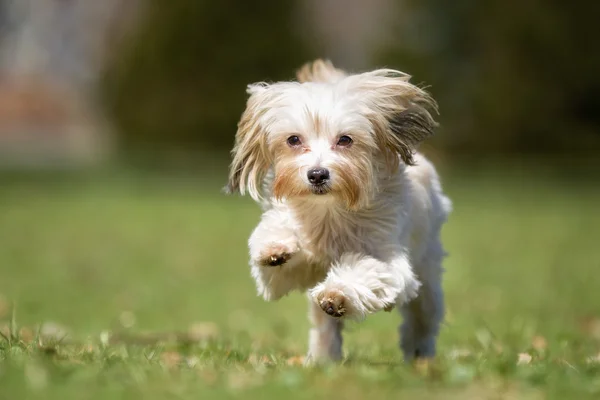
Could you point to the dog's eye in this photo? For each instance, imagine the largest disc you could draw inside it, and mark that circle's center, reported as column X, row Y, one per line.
column 344, row 141
column 294, row 141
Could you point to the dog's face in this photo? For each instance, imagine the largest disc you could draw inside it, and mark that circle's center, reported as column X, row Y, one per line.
column 329, row 141
column 320, row 146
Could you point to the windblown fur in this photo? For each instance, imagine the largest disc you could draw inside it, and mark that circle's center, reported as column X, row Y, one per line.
column 352, row 214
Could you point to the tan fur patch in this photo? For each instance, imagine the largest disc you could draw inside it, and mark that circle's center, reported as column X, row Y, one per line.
column 287, row 183
column 319, row 71
column 316, row 123
column 250, row 162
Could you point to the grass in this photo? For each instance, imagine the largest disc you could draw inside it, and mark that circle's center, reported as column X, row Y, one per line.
column 132, row 285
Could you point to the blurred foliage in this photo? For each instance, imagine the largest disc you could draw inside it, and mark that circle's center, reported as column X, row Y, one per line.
column 180, row 83
column 508, row 78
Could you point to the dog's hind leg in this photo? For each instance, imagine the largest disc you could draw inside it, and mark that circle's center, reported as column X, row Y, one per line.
column 325, row 336
column 423, row 315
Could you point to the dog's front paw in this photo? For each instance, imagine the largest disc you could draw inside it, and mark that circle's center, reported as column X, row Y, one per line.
column 276, row 259
column 333, row 302
column 275, row 254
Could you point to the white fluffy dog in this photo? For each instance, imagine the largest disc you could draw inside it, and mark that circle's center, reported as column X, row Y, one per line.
column 352, row 214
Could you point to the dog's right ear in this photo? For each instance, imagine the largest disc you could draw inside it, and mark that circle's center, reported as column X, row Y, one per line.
column 250, row 161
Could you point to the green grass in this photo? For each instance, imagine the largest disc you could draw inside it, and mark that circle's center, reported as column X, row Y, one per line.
column 148, row 276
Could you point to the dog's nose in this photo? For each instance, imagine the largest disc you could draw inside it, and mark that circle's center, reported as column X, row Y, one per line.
column 318, row 176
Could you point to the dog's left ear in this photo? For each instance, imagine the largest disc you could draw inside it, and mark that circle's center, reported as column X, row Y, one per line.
column 250, row 162
column 408, row 128
column 400, row 113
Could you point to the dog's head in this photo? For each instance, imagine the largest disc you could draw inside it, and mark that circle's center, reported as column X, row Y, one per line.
column 330, row 135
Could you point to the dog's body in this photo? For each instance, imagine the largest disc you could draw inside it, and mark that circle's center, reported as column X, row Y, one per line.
column 351, row 214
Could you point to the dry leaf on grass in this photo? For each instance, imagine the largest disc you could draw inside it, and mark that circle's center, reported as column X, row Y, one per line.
column 267, row 360
column 192, row 361
column 257, row 360
column 594, row 359
column 457, row 353
column 53, row 331
column 539, row 343
column 5, row 331
column 105, row 338
column 170, row 359
column 88, row 348
column 253, row 359
column 591, row 327
column 26, row 335
column 422, row 366
column 295, row 361
column 524, row 359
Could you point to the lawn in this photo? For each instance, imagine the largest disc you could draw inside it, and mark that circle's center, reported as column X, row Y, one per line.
column 123, row 284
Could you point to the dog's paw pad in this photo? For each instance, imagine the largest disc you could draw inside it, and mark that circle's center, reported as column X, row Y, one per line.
column 278, row 259
column 333, row 303
column 274, row 255
column 389, row 307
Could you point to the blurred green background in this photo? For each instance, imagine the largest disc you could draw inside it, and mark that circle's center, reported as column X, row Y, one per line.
column 508, row 79
column 116, row 121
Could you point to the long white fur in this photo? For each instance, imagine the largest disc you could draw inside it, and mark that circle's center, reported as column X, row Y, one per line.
column 384, row 252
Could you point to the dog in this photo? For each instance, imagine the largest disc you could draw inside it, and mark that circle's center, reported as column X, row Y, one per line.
column 352, row 213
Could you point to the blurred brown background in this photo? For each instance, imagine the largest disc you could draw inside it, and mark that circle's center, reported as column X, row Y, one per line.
column 83, row 82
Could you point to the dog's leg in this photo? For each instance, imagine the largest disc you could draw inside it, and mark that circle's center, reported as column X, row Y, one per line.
column 273, row 256
column 422, row 319
column 424, row 314
column 325, row 336
column 359, row 285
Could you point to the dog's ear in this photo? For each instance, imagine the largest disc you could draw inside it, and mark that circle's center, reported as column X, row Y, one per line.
column 400, row 113
column 407, row 129
column 250, row 161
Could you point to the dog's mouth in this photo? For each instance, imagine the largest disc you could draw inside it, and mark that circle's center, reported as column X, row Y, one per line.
column 320, row 189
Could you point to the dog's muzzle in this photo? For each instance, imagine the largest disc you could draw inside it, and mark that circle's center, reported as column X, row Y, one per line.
column 318, row 176
column 319, row 179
